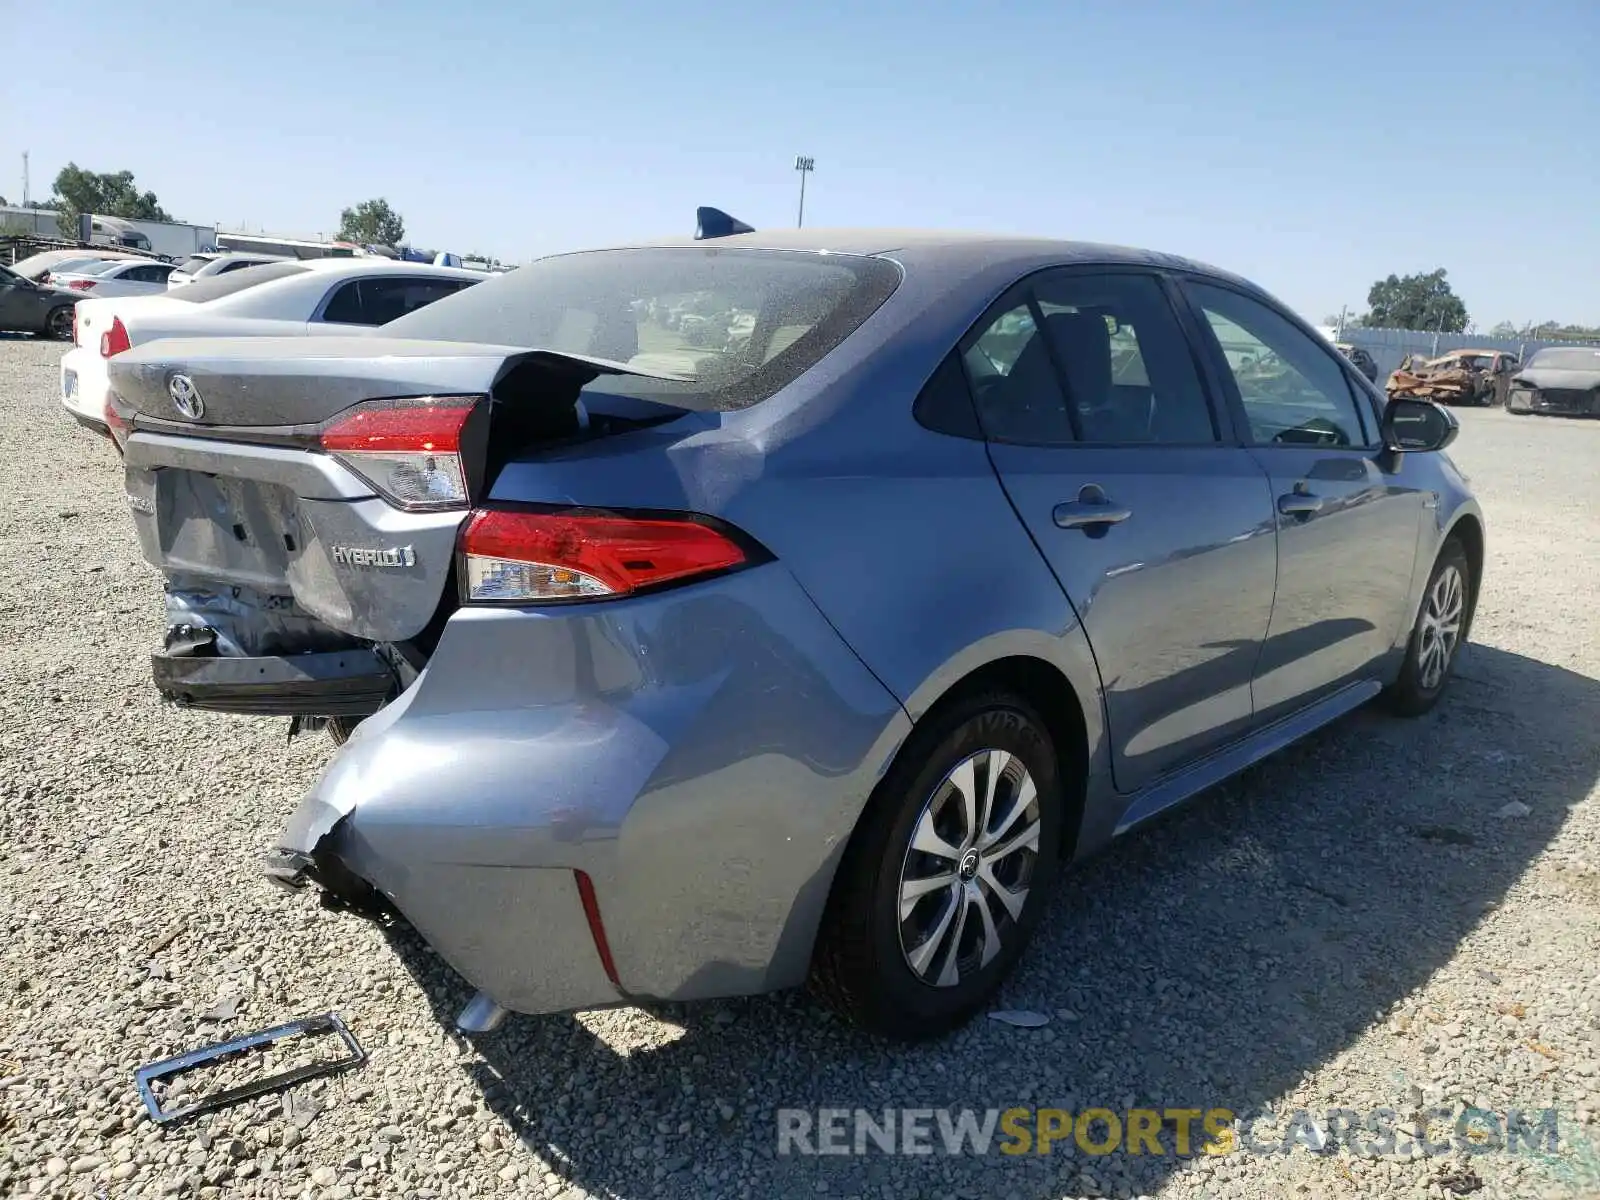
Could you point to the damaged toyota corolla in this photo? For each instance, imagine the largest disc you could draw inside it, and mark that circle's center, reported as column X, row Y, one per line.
column 705, row 617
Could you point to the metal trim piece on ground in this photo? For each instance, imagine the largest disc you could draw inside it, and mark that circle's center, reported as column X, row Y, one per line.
column 146, row 1075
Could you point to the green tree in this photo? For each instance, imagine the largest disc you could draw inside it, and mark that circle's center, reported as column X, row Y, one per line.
column 1415, row 302
column 371, row 223
column 114, row 195
column 1504, row 329
column 1559, row 329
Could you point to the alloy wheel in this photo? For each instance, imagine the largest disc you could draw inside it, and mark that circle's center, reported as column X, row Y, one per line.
column 968, row 869
column 1440, row 629
column 60, row 324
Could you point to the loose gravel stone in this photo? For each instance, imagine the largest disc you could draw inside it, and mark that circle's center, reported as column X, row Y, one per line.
column 1350, row 925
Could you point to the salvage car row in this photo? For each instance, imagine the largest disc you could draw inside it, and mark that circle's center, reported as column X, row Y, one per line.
column 1555, row 379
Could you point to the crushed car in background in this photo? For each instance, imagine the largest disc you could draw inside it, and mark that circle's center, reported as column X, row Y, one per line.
column 1478, row 377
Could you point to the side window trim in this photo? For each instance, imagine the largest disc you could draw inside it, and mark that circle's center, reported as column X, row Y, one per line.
column 1215, row 385
column 1369, row 427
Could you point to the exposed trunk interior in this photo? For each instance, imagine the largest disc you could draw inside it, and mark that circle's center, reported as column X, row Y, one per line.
column 253, row 525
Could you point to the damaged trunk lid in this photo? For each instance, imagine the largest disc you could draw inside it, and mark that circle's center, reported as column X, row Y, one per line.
column 303, row 500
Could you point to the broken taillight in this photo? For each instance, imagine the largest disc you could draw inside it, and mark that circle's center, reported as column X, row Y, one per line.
column 518, row 556
column 410, row 450
column 114, row 340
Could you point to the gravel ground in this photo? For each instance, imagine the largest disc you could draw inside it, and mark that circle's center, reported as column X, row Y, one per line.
column 1360, row 923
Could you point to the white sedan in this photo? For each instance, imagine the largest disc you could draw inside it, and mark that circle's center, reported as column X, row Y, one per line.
column 119, row 277
column 207, row 265
column 319, row 296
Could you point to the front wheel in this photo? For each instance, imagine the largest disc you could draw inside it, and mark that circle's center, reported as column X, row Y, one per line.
column 58, row 323
column 1437, row 635
column 947, row 874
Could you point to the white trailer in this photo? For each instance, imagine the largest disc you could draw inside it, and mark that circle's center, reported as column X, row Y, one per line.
column 171, row 239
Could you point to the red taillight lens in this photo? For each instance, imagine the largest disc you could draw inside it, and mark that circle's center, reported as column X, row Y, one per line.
column 82, row 285
column 114, row 340
column 410, row 450
column 116, row 426
column 520, row 557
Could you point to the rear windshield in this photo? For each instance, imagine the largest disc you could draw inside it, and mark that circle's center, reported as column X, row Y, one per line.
column 191, row 265
column 1567, row 358
column 217, row 286
column 736, row 325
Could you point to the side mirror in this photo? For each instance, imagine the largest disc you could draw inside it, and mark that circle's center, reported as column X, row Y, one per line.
column 1411, row 424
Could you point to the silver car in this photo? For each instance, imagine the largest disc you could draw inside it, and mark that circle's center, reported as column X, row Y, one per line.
column 670, row 671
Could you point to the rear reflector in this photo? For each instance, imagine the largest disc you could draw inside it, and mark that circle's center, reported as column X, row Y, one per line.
column 114, row 340
column 597, row 928
column 410, row 450
column 512, row 557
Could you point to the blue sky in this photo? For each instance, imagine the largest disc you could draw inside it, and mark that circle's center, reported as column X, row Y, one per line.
column 1312, row 147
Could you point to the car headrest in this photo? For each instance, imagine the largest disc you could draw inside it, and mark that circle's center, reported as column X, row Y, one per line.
column 1083, row 343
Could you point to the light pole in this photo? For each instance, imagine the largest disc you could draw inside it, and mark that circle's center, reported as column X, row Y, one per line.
column 805, row 165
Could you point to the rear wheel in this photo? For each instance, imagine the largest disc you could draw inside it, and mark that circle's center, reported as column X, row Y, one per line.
column 946, row 876
column 1437, row 635
column 58, row 323
column 340, row 728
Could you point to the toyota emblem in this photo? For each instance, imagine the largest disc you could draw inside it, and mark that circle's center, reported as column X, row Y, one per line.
column 186, row 397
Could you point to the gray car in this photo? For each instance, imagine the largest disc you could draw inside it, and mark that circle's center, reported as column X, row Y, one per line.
column 28, row 307
column 1558, row 379
column 678, row 671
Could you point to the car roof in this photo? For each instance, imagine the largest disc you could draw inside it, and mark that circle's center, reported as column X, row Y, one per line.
column 964, row 253
column 377, row 265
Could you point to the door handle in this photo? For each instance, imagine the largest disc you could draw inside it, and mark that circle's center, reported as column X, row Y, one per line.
column 1299, row 504
column 1091, row 508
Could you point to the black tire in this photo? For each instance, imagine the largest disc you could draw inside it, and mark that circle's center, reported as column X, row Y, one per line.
column 340, row 728
column 58, row 323
column 1416, row 691
column 860, row 967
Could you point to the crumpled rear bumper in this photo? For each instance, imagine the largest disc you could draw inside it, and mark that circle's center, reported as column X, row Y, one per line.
column 636, row 799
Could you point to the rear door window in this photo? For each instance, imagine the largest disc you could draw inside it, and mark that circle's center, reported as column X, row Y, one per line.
column 1112, row 366
column 385, row 300
column 1130, row 374
column 379, row 301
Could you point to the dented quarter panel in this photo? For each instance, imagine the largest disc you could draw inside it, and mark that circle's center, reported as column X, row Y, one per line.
column 702, row 754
